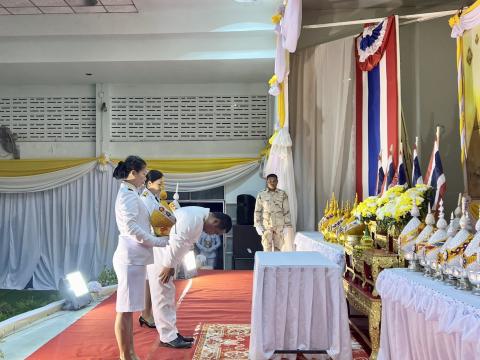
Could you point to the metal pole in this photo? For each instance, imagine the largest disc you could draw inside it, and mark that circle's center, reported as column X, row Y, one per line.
column 415, row 17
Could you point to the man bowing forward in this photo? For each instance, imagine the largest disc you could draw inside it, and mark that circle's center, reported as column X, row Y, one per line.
column 191, row 221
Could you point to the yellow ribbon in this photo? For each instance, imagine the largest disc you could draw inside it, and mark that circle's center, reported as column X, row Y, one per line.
column 277, row 18
column 29, row 167
column 458, row 250
column 469, row 260
column 272, row 80
column 403, row 238
column 281, row 105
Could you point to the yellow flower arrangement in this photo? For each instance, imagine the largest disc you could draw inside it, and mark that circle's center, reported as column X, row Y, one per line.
column 366, row 209
column 390, row 194
column 394, row 206
column 397, row 209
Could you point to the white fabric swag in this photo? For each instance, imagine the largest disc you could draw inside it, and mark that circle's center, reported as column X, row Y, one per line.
column 209, row 179
column 187, row 182
column 47, row 181
column 48, row 232
column 467, row 22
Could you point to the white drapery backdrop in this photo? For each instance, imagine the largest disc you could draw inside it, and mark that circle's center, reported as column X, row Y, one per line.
column 321, row 106
column 46, row 234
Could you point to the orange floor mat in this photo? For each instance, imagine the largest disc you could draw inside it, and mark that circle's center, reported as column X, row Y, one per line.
column 214, row 298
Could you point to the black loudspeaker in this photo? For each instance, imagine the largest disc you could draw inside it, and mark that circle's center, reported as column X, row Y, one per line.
column 245, row 209
column 243, row 264
column 246, row 242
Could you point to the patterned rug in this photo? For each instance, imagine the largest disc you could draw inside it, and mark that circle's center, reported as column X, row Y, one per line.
column 230, row 342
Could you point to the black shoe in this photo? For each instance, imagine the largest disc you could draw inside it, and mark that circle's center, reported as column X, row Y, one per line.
column 178, row 343
column 186, row 338
column 142, row 322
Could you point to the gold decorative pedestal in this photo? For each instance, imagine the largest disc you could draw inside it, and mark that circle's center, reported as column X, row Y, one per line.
column 375, row 260
column 367, row 305
column 381, row 241
column 365, row 257
column 363, row 265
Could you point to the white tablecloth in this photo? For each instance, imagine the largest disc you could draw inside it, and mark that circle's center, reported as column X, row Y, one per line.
column 314, row 241
column 425, row 319
column 298, row 303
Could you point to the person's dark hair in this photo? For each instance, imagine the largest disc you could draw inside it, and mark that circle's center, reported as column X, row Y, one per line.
column 153, row 175
column 124, row 167
column 225, row 221
column 272, row 176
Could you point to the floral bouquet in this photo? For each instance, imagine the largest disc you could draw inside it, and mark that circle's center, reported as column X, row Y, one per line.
column 396, row 211
column 365, row 211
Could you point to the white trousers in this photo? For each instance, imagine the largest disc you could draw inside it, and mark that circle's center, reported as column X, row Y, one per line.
column 163, row 301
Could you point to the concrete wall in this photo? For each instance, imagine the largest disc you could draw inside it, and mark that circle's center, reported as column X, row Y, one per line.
column 157, row 149
column 429, row 96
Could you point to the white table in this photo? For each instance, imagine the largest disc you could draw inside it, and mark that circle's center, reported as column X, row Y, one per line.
column 314, row 241
column 425, row 319
column 298, row 303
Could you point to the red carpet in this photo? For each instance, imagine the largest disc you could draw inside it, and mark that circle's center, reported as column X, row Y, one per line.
column 215, row 297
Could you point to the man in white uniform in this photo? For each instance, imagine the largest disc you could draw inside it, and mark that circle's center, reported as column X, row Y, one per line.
column 191, row 221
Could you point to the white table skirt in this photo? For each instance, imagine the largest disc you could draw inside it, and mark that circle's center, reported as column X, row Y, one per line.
column 314, row 241
column 298, row 303
column 425, row 319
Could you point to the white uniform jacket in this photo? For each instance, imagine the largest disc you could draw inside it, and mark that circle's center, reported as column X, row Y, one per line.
column 150, row 200
column 183, row 234
column 135, row 240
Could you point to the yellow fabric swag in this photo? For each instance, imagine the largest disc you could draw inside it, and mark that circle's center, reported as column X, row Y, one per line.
column 28, row 167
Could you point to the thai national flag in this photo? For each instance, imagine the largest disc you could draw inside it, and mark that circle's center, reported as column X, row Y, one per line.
column 435, row 176
column 390, row 180
column 377, row 101
column 416, row 171
column 380, row 175
column 401, row 171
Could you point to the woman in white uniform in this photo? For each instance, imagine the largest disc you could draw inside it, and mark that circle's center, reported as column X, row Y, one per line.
column 134, row 250
column 150, row 197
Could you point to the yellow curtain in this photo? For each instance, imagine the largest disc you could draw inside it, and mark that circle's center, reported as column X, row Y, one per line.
column 28, row 167
column 185, row 166
column 468, row 92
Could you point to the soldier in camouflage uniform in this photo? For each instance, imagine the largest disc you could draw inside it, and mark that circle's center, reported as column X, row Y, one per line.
column 272, row 215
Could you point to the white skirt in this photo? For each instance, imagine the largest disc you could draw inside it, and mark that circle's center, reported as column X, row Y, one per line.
column 131, row 286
